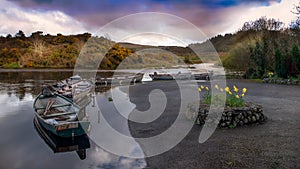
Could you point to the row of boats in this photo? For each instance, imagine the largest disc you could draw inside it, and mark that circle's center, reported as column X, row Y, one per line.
column 147, row 77
column 60, row 115
column 60, row 107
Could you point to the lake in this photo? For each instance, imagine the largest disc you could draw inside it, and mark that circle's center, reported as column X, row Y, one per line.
column 23, row 147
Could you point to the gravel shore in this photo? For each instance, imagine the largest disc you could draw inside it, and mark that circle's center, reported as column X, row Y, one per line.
column 274, row 144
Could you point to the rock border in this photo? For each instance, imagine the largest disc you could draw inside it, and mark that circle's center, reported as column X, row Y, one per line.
column 281, row 81
column 231, row 116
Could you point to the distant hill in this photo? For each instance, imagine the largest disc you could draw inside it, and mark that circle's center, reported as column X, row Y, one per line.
column 60, row 51
column 181, row 54
column 251, row 48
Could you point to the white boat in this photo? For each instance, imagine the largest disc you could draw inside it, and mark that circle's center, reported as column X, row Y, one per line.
column 146, row 78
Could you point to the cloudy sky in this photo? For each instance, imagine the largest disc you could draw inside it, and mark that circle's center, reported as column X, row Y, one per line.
column 78, row 16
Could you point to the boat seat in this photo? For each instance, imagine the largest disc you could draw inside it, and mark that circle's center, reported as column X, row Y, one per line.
column 55, row 106
column 57, row 114
column 68, row 118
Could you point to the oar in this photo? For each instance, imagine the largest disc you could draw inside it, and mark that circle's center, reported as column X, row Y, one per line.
column 49, row 104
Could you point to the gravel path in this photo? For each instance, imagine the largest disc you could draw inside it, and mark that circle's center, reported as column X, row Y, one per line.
column 274, row 144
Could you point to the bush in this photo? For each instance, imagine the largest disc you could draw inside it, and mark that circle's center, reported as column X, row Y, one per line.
column 249, row 73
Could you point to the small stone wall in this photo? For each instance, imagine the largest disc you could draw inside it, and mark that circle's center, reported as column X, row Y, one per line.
column 231, row 117
column 281, row 81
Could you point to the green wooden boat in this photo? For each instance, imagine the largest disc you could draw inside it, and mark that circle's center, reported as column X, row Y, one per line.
column 60, row 115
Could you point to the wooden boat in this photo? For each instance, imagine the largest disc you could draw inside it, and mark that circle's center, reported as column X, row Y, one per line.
column 182, row 76
column 162, row 77
column 60, row 115
column 119, row 80
column 59, row 144
column 200, row 76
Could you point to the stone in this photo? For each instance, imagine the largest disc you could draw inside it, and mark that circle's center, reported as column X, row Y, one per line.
column 266, row 80
column 223, row 118
column 257, row 116
column 253, row 119
column 229, row 118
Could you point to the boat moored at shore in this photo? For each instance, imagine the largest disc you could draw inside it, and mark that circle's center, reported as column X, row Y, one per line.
column 60, row 115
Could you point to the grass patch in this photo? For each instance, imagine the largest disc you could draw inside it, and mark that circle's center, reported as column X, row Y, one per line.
column 13, row 65
column 255, row 80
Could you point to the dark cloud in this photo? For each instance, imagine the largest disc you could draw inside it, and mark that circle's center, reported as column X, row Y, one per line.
column 91, row 6
column 230, row 3
column 100, row 12
column 43, row 1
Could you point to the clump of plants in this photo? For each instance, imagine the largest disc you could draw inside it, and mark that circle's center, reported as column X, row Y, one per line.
column 234, row 96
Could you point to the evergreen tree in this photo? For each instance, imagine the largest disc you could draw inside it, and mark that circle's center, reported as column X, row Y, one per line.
column 259, row 59
column 282, row 64
column 296, row 56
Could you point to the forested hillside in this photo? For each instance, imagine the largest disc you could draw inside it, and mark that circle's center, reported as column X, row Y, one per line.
column 40, row 51
column 60, row 51
column 260, row 48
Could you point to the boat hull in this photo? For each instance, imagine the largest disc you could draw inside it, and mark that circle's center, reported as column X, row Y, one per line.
column 59, row 144
column 70, row 129
column 162, row 77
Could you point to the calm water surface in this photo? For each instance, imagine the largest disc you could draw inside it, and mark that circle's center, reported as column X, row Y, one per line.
column 21, row 145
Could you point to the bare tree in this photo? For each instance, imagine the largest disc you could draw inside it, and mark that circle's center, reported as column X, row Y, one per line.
column 296, row 23
column 39, row 47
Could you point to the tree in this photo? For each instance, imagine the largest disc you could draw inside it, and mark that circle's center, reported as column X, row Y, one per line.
column 39, row 47
column 295, row 24
column 20, row 34
column 258, row 57
column 263, row 23
column 37, row 34
column 280, row 64
column 296, row 55
column 8, row 36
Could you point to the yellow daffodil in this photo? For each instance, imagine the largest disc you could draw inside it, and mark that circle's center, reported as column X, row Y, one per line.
column 237, row 96
column 244, row 90
column 206, row 88
column 243, row 95
column 227, row 89
column 221, row 90
column 202, row 87
column 199, row 89
column 230, row 93
column 216, row 86
column 235, row 89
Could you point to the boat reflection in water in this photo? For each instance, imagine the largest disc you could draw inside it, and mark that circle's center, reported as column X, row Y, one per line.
column 59, row 144
column 67, row 144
